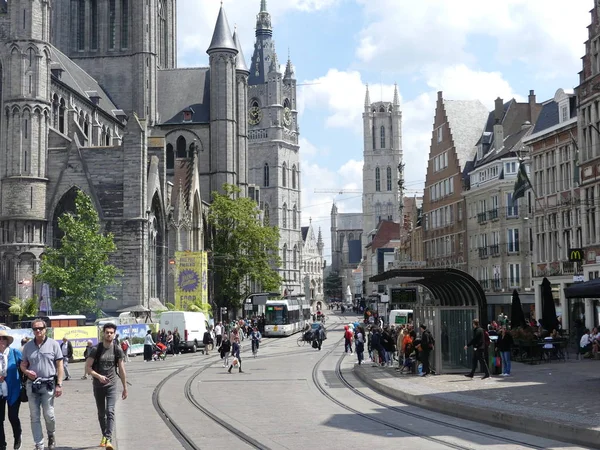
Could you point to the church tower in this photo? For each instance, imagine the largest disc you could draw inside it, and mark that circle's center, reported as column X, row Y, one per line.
column 274, row 153
column 382, row 184
column 122, row 43
column 223, row 127
column 25, row 100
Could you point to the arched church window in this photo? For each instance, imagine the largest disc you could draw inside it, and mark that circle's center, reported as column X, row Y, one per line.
column 55, row 107
column 112, row 24
column 294, row 176
column 161, row 35
column 284, row 175
column 351, row 237
column 266, row 175
column 295, row 257
column 390, row 211
column 295, row 218
column 382, row 109
column 61, row 116
column 284, row 216
column 124, row 23
column 94, row 25
column 284, row 256
column 170, row 157
column 267, row 219
column 86, row 126
column 181, row 147
column 382, row 136
column 108, row 137
column 377, row 180
column 378, row 213
column 81, row 25
column 389, row 178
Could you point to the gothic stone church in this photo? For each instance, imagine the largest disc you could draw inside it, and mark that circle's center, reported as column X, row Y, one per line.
column 92, row 100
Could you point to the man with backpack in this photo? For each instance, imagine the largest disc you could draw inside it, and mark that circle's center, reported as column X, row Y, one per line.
column 427, row 344
column 479, row 348
column 105, row 364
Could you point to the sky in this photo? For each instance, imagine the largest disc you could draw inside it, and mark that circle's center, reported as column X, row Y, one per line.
column 469, row 49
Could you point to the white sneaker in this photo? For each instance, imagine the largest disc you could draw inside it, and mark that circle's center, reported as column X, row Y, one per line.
column 507, row 374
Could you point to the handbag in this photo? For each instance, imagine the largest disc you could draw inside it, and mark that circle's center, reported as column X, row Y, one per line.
column 23, row 394
column 498, row 361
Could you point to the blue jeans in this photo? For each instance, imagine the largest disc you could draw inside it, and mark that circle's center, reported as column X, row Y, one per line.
column 505, row 362
column 44, row 400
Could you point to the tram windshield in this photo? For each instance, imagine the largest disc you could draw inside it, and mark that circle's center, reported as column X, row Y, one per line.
column 276, row 315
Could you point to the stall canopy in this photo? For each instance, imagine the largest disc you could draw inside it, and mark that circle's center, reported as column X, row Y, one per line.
column 449, row 287
column 587, row 289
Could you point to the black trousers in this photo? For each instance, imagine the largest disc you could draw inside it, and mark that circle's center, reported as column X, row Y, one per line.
column 13, row 417
column 479, row 357
column 425, row 361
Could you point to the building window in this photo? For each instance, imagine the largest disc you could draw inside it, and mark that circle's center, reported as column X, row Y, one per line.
column 266, row 175
column 94, row 25
column 284, row 175
column 267, row 219
column 284, row 256
column 382, row 136
column 514, row 275
column 284, row 216
column 112, row 24
column 377, row 180
column 181, row 147
column 377, row 213
column 513, row 240
column 124, row 23
column 389, row 178
column 294, row 177
column 295, row 256
column 390, row 211
column 170, row 157
column 295, row 218
column 440, row 134
column 81, row 25
column 512, row 210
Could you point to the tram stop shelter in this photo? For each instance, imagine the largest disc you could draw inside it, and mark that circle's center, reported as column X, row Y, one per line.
column 452, row 300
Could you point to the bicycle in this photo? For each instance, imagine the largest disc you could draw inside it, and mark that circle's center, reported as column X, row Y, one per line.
column 255, row 345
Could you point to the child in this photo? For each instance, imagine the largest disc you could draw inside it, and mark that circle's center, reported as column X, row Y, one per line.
column 224, row 350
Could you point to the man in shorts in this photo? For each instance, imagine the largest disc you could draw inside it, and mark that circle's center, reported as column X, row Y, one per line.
column 43, row 366
column 105, row 364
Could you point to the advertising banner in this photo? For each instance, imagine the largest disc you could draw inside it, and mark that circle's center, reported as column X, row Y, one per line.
column 78, row 336
column 191, row 278
column 19, row 334
column 136, row 334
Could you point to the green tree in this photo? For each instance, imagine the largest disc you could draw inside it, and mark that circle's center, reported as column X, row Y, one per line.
column 23, row 307
column 243, row 249
column 333, row 286
column 79, row 268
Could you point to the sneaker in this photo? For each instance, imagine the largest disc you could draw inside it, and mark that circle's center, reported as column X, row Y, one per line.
column 103, row 441
column 51, row 442
column 468, row 375
column 17, row 445
column 484, row 377
column 84, row 377
column 109, row 445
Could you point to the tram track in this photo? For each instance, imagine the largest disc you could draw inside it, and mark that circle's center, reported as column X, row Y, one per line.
column 348, row 385
column 175, row 428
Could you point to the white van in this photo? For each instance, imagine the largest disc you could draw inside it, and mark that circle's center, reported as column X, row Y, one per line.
column 400, row 316
column 191, row 327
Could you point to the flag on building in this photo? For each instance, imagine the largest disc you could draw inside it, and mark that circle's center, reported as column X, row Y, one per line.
column 522, row 183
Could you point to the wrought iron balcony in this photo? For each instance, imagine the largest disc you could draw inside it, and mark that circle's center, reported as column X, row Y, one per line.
column 494, row 250
column 482, row 217
column 493, row 214
column 483, row 252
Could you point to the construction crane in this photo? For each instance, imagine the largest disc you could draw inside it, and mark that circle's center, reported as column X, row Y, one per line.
column 338, row 191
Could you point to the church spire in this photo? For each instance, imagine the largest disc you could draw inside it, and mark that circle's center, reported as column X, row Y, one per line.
column 240, row 65
column 289, row 69
column 396, row 96
column 222, row 38
column 367, row 98
column 263, row 21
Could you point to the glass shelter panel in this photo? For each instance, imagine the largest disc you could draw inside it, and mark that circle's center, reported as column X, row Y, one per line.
column 456, row 330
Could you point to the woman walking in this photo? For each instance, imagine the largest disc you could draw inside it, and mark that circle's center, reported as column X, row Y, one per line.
column 504, row 346
column 360, row 344
column 10, row 385
column 148, row 346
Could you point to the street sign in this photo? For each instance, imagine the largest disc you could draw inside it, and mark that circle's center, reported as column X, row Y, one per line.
column 575, row 254
column 248, row 307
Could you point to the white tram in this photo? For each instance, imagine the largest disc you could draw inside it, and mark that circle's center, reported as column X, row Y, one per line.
column 286, row 316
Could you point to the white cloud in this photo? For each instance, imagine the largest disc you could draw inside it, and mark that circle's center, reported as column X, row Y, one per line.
column 405, row 38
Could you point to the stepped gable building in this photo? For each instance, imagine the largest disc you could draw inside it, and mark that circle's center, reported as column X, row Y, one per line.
column 92, row 100
column 382, row 169
column 588, row 124
column 498, row 229
column 457, row 127
column 555, row 225
column 274, row 153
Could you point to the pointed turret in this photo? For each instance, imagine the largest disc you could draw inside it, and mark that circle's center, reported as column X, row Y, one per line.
column 367, row 98
column 320, row 243
column 396, row 96
column 240, row 65
column 222, row 38
column 264, row 57
column 263, row 21
column 289, row 70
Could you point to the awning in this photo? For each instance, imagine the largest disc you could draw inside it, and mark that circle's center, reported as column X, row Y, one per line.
column 449, row 287
column 587, row 289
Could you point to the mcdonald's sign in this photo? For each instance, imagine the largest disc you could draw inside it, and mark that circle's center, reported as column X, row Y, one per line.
column 575, row 254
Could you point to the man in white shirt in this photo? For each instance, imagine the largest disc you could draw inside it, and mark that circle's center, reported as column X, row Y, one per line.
column 218, row 334
column 585, row 344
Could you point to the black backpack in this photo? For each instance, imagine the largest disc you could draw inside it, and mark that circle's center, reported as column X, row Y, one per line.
column 99, row 351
